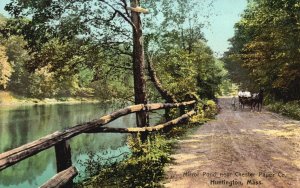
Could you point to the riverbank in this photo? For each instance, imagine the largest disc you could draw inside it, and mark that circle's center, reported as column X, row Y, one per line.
column 9, row 99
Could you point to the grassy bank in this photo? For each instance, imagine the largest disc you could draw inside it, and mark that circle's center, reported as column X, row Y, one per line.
column 290, row 109
column 144, row 165
column 8, row 98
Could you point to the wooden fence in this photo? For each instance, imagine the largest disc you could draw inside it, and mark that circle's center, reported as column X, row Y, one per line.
column 66, row 172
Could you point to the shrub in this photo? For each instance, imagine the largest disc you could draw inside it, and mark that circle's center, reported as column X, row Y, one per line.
column 142, row 168
column 291, row 109
column 211, row 110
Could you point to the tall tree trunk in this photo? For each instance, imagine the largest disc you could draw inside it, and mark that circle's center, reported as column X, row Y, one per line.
column 138, row 65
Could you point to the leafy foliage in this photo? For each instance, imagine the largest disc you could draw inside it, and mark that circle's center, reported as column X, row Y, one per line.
column 176, row 47
column 143, row 168
column 183, row 72
column 266, row 46
column 18, row 57
column 86, row 46
column 291, row 109
column 5, row 68
column 211, row 110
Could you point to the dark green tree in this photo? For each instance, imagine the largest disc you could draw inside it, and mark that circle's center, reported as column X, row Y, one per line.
column 266, row 46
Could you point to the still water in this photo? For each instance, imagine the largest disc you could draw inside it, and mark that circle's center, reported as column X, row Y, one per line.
column 22, row 124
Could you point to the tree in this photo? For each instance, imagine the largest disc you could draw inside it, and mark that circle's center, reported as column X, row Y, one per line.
column 184, row 71
column 45, row 13
column 18, row 56
column 268, row 41
column 5, row 68
column 117, row 34
column 107, row 22
column 138, row 63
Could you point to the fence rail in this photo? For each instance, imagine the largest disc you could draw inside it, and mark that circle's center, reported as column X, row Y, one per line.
column 61, row 179
column 144, row 129
column 60, row 139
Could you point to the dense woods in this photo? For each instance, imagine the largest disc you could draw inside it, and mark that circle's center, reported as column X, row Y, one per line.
column 86, row 49
column 266, row 49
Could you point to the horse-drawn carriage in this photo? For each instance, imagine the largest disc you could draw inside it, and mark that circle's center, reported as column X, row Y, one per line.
column 252, row 100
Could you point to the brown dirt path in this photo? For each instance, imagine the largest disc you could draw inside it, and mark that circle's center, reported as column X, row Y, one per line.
column 239, row 149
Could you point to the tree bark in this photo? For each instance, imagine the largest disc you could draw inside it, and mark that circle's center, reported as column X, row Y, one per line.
column 169, row 97
column 159, row 127
column 61, row 179
column 138, row 66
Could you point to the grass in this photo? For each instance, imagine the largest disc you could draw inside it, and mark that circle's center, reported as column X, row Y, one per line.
column 288, row 131
column 8, row 98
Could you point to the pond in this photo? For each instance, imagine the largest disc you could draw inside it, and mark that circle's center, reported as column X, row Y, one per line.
column 22, row 124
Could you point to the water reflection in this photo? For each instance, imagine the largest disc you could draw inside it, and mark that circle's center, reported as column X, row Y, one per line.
column 20, row 125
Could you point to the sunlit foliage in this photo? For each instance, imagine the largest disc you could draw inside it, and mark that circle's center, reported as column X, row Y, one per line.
column 5, row 68
column 267, row 46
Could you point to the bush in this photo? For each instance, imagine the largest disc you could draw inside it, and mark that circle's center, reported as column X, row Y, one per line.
column 290, row 109
column 211, row 110
column 142, row 168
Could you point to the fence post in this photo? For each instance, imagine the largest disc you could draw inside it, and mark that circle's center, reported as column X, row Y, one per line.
column 167, row 114
column 182, row 110
column 63, row 159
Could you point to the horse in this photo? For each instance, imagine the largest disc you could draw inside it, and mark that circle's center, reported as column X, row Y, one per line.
column 257, row 99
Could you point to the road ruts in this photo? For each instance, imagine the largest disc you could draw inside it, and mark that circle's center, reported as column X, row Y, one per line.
column 244, row 148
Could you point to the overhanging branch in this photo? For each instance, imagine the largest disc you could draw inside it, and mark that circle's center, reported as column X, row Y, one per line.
column 121, row 14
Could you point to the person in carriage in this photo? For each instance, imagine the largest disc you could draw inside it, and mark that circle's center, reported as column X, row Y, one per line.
column 245, row 98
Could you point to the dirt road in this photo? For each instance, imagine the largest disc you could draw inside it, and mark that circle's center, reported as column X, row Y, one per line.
column 239, row 149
